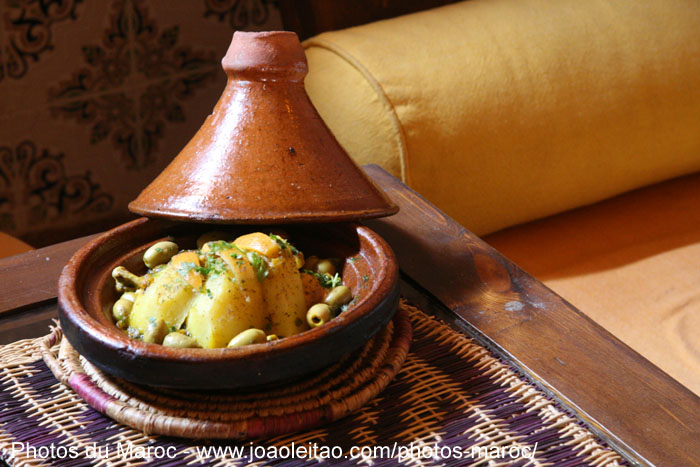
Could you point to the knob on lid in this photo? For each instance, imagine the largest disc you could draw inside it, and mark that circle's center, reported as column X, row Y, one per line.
column 264, row 155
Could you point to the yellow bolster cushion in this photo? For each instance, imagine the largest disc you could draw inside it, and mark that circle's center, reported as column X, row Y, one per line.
column 503, row 111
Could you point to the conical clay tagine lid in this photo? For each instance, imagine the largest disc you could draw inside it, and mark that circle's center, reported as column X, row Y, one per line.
column 264, row 155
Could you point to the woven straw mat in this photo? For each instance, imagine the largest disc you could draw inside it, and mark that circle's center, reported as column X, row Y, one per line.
column 452, row 403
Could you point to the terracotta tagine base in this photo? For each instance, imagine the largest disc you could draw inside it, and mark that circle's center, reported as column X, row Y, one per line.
column 86, row 296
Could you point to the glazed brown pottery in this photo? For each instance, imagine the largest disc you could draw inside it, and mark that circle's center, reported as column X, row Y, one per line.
column 86, row 295
column 264, row 156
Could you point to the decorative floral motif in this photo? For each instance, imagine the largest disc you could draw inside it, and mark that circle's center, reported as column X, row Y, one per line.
column 132, row 114
column 28, row 25
column 240, row 14
column 35, row 190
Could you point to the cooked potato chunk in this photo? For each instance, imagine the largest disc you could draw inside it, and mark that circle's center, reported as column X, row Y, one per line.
column 209, row 297
column 282, row 289
column 167, row 298
column 284, row 298
column 231, row 304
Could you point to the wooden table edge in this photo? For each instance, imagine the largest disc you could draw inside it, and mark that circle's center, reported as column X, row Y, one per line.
column 476, row 270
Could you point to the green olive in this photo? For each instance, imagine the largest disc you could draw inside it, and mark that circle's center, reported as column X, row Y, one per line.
column 213, row 236
column 122, row 308
column 130, row 296
column 247, row 337
column 310, row 263
column 338, row 297
column 272, row 337
column 179, row 340
column 318, row 315
column 128, row 280
column 159, row 253
column 326, row 266
column 155, row 331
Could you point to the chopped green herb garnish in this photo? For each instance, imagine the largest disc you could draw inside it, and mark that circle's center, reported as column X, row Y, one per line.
column 336, row 280
column 280, row 241
column 235, row 247
column 185, row 268
column 209, row 294
column 365, row 278
column 283, row 243
column 259, row 265
column 219, row 245
column 173, row 329
column 353, row 259
column 203, row 269
column 325, row 280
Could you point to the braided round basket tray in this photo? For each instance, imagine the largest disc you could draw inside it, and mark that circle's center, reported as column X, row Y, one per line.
column 320, row 398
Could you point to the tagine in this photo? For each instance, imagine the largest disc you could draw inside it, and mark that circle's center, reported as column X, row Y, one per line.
column 164, row 301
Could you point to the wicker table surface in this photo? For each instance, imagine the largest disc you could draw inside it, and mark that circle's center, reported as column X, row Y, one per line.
column 623, row 400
